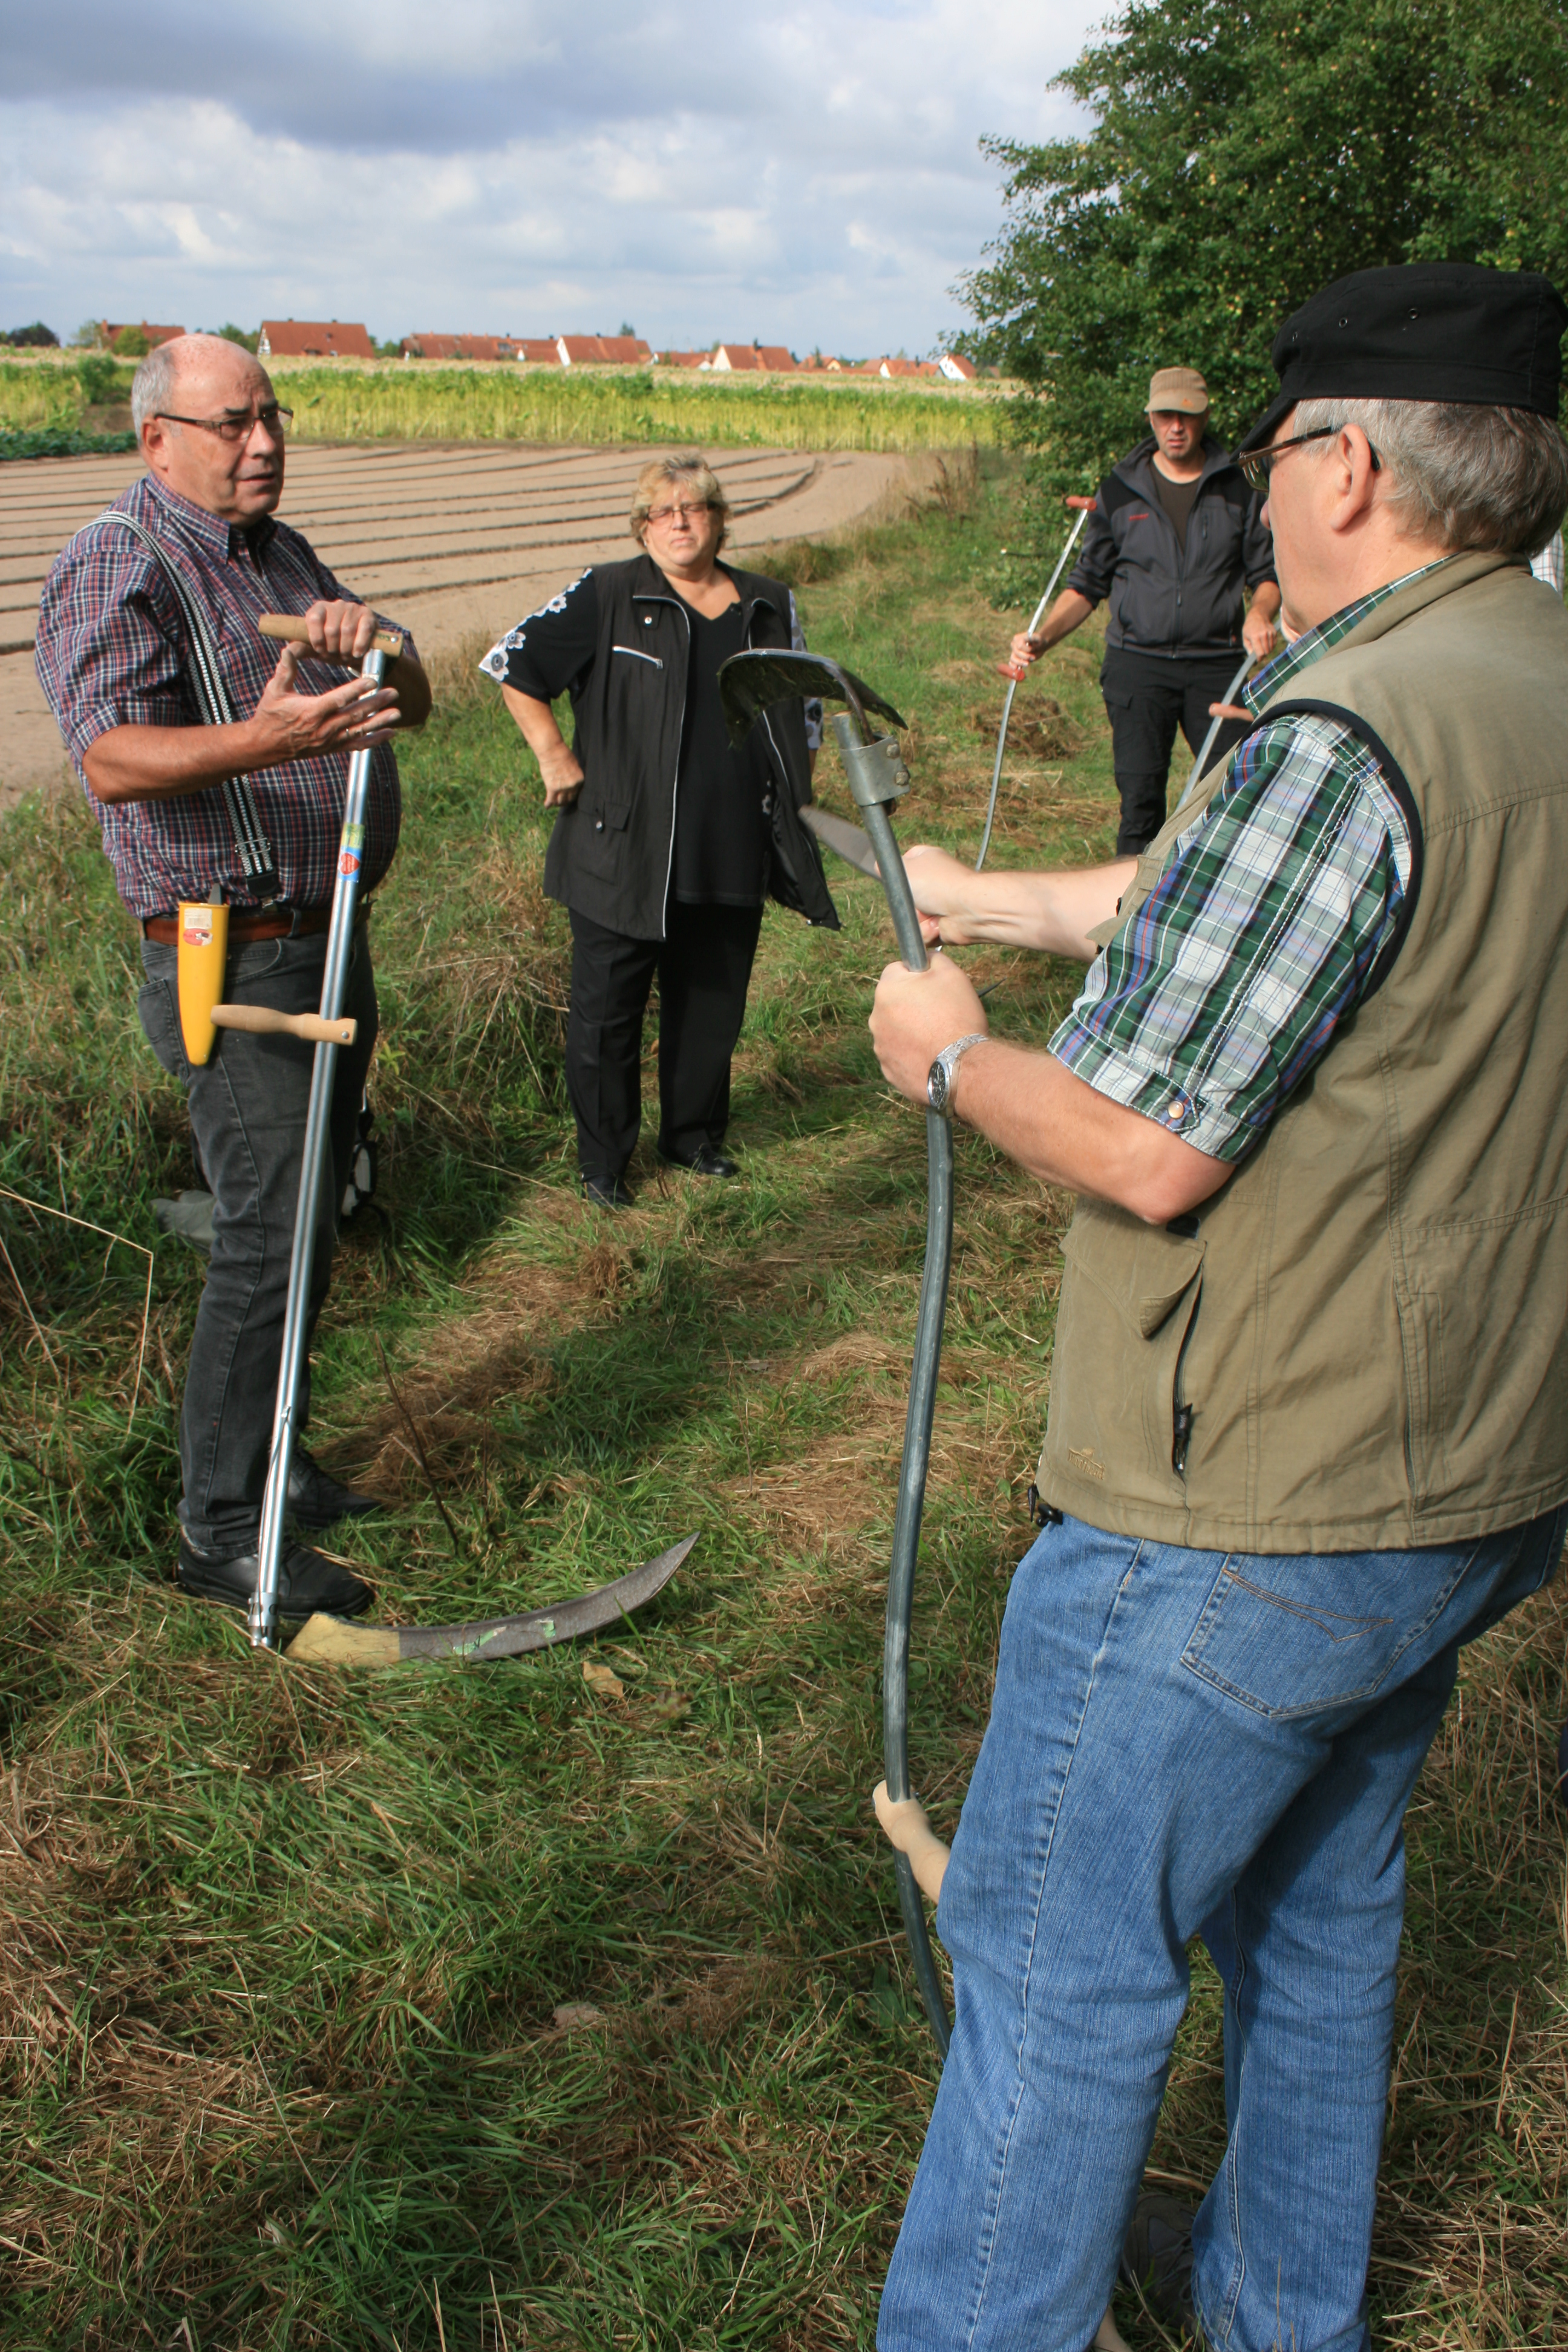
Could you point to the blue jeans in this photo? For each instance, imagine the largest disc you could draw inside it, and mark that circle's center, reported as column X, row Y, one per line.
column 1181, row 1744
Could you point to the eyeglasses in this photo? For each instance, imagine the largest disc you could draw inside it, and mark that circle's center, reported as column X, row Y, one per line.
column 236, row 428
column 668, row 514
column 1258, row 464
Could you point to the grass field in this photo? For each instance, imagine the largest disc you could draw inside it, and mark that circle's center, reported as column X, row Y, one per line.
column 394, row 402
column 496, row 2006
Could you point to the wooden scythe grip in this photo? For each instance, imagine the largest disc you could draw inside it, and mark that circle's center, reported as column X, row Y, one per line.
column 261, row 1021
column 290, row 630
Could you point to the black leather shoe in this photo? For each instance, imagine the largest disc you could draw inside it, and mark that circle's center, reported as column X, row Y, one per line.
column 605, row 1191
column 1157, row 2256
column 306, row 1582
column 317, row 1499
column 709, row 1161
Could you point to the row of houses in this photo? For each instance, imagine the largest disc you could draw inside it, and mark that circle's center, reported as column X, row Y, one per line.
column 630, row 351
column 338, row 339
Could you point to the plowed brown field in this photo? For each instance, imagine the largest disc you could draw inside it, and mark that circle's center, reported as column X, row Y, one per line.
column 448, row 540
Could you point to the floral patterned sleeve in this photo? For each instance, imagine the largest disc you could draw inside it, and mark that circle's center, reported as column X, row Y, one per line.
column 549, row 651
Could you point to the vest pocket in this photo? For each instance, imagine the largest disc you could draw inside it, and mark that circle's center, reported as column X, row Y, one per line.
column 1129, row 1299
column 1421, row 1326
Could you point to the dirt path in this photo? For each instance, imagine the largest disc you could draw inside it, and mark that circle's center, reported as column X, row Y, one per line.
column 448, row 539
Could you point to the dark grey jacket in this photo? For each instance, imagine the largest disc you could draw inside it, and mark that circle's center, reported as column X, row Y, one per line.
column 609, row 855
column 1166, row 599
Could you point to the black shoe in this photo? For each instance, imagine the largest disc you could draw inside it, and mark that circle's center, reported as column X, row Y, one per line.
column 1157, row 2256
column 317, row 1499
column 605, row 1191
column 306, row 1582
column 709, row 1161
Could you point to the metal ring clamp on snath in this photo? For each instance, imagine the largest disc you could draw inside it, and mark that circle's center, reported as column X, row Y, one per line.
column 751, row 683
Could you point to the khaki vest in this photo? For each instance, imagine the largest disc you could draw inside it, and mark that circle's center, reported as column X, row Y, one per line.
column 1367, row 1326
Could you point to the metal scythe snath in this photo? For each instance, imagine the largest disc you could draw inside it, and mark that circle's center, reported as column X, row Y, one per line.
column 1013, row 675
column 1201, row 763
column 328, row 1640
column 749, row 684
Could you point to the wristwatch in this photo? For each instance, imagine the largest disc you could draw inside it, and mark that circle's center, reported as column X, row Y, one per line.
column 939, row 1084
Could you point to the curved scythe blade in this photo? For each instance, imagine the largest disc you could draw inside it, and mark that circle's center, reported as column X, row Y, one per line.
column 331, row 1641
column 751, row 683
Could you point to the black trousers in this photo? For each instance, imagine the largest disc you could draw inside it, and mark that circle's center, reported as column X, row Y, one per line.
column 1146, row 699
column 704, row 967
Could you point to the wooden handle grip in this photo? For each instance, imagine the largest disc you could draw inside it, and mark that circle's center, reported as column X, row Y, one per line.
column 1085, row 503
column 262, row 1021
column 290, row 630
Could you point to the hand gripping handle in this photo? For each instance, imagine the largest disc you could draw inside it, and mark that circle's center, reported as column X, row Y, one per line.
column 290, row 630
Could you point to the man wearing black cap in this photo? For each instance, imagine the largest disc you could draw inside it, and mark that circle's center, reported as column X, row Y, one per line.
column 1174, row 539
column 1308, row 1420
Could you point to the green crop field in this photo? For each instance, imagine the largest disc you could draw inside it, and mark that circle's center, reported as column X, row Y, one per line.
column 496, row 2005
column 414, row 402
column 418, row 403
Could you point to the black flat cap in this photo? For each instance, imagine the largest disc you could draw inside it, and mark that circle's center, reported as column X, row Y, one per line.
column 1423, row 331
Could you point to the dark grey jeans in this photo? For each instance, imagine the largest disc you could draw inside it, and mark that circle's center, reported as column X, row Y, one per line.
column 247, row 1116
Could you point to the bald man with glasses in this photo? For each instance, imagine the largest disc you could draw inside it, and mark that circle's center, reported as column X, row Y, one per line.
column 194, row 547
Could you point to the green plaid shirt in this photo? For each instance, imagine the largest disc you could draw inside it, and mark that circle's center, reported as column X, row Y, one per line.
column 1261, row 936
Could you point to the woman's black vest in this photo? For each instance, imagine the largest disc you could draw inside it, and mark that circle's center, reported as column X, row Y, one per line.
column 610, row 853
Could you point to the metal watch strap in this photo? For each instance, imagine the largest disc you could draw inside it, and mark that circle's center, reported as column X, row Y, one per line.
column 947, row 1062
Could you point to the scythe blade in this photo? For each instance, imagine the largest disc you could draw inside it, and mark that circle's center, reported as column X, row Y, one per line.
column 332, row 1641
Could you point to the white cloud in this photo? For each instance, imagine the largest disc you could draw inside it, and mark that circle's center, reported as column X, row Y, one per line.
column 808, row 176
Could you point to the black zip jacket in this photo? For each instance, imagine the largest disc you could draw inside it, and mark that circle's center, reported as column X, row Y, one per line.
column 1181, row 602
column 609, row 855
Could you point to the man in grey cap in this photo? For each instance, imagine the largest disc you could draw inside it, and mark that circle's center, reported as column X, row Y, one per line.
column 1174, row 539
column 1307, row 1430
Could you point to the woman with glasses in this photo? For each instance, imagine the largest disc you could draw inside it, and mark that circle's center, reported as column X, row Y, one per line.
column 667, row 841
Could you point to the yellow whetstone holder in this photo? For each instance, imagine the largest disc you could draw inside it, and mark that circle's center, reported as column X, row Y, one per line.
column 201, row 961
column 202, row 958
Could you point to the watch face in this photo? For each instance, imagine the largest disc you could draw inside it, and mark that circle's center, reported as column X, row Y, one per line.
column 936, row 1085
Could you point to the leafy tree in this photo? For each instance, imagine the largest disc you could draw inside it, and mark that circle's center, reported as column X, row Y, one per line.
column 233, row 334
column 132, row 344
column 38, row 337
column 88, row 336
column 102, row 381
column 1242, row 156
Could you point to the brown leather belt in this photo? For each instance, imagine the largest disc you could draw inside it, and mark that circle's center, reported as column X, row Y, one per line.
column 271, row 923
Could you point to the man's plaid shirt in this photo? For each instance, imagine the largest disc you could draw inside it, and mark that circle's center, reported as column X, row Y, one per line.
column 111, row 652
column 1262, row 932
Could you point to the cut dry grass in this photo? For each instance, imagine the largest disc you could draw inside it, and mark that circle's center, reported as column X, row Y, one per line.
column 496, row 2005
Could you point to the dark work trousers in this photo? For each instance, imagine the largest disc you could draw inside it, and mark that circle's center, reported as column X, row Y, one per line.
column 704, row 967
column 1147, row 697
column 247, row 1116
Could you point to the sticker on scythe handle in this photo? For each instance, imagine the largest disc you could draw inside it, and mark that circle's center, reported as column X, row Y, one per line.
column 348, row 861
column 349, row 849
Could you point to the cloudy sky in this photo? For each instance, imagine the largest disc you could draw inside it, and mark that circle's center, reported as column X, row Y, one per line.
column 806, row 174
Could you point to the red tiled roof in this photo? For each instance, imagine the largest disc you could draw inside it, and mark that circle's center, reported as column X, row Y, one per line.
column 580, row 351
column 684, row 359
column 740, row 357
column 774, row 356
column 539, row 353
column 626, row 350
column 953, row 364
column 300, row 338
